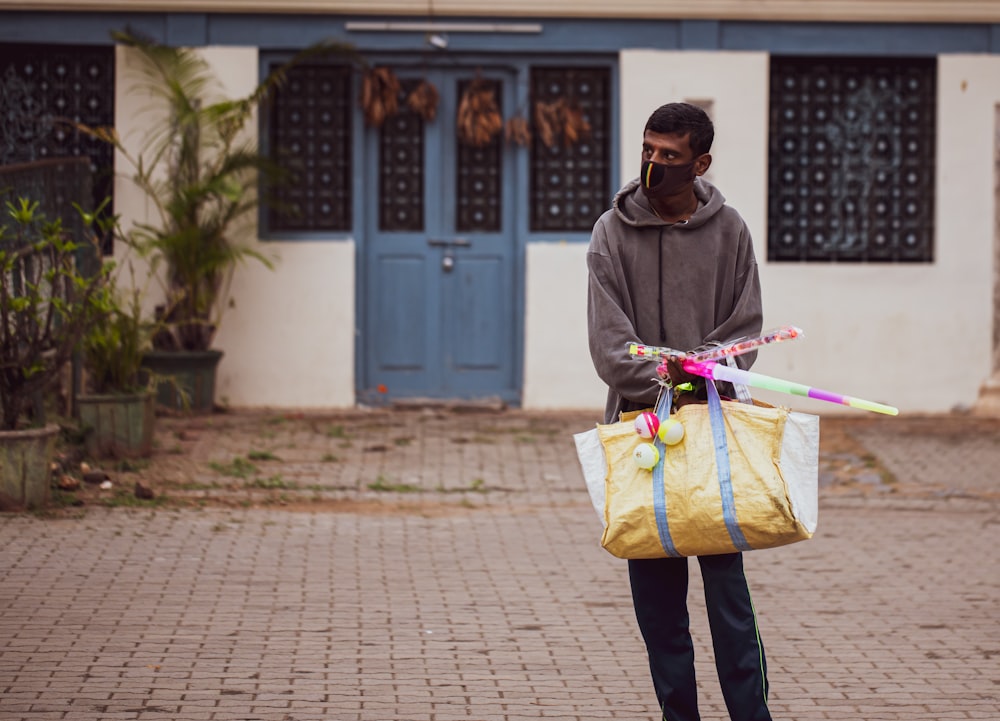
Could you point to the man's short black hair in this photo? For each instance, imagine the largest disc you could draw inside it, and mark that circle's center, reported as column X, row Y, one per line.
column 684, row 119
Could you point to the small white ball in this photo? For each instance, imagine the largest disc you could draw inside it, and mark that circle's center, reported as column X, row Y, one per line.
column 671, row 432
column 646, row 456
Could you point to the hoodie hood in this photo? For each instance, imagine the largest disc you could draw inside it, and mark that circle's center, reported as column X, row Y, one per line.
column 632, row 206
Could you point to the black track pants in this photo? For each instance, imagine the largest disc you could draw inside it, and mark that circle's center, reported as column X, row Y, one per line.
column 659, row 594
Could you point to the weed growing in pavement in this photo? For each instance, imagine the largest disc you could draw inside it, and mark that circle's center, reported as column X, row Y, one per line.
column 476, row 485
column 262, row 456
column 336, row 432
column 329, row 458
column 382, row 484
column 198, row 486
column 275, row 481
column 132, row 465
column 124, row 498
column 239, row 467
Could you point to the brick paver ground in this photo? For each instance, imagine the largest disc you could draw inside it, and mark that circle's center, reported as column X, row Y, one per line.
column 431, row 566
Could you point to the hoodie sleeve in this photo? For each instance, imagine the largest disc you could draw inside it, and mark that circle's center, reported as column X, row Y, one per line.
column 610, row 327
column 746, row 314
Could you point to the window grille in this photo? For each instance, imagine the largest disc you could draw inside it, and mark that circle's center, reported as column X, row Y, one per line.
column 401, row 167
column 479, row 179
column 570, row 182
column 45, row 87
column 310, row 137
column 851, row 160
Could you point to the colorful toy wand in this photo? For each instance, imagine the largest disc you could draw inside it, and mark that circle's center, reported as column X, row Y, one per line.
column 735, row 347
column 711, row 369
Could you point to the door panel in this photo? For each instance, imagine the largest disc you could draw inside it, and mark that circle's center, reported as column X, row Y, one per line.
column 478, row 329
column 442, row 292
column 402, row 334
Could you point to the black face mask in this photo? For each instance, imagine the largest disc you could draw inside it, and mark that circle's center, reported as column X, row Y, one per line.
column 659, row 180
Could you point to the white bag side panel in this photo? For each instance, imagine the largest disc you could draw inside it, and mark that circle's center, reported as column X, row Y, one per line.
column 800, row 466
column 595, row 467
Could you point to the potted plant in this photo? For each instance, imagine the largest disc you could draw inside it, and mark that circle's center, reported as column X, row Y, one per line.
column 47, row 304
column 200, row 173
column 116, row 407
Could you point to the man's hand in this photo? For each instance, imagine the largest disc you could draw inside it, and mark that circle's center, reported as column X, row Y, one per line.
column 677, row 373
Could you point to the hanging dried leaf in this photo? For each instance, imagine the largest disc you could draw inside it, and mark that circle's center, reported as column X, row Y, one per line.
column 424, row 100
column 479, row 119
column 560, row 120
column 379, row 96
column 574, row 124
column 547, row 122
column 518, row 131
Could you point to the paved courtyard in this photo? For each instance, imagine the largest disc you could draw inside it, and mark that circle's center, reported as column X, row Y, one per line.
column 435, row 565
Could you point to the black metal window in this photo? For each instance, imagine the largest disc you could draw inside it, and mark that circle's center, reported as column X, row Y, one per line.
column 43, row 88
column 479, row 179
column 570, row 179
column 401, row 167
column 851, row 159
column 310, row 137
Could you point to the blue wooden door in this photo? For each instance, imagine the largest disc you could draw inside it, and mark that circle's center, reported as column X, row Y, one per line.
column 441, row 286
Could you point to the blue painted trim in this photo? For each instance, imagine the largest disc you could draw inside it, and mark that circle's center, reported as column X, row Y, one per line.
column 872, row 39
column 559, row 35
column 189, row 29
column 700, row 34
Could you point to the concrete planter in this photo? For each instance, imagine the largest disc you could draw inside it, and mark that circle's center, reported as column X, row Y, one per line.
column 25, row 460
column 118, row 426
column 191, row 371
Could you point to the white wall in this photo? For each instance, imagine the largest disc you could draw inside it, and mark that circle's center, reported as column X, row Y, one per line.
column 288, row 340
column 558, row 372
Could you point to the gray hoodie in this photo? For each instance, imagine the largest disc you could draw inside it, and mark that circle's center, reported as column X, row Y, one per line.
column 679, row 285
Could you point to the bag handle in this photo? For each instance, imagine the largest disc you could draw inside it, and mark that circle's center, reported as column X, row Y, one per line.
column 663, row 405
column 718, row 424
column 724, row 469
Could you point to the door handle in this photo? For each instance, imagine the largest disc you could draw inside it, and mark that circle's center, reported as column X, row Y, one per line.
column 449, row 243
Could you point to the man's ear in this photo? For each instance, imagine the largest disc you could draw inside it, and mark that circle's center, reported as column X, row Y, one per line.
column 702, row 163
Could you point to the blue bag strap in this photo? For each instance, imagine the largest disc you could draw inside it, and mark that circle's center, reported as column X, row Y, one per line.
column 725, row 472
column 663, row 406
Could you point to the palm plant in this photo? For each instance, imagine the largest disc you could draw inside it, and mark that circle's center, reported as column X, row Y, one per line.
column 200, row 170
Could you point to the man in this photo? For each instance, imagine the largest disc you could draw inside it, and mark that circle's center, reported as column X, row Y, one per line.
column 670, row 264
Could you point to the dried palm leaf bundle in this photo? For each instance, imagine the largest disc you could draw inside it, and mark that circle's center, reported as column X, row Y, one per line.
column 574, row 125
column 547, row 122
column 379, row 95
column 517, row 130
column 423, row 100
column 560, row 120
column 479, row 119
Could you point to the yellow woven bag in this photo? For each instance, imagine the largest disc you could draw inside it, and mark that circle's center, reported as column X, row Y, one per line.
column 744, row 477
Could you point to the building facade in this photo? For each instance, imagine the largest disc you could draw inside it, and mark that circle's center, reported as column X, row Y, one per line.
column 858, row 139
